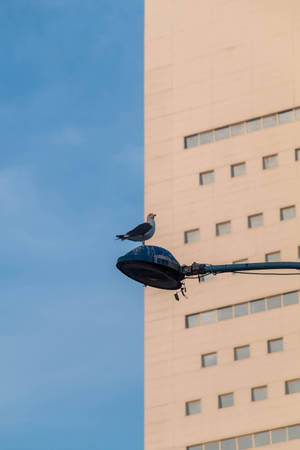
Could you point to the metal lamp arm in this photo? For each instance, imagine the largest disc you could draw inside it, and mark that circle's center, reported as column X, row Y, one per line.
column 202, row 269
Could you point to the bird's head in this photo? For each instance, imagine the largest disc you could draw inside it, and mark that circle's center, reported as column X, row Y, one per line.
column 151, row 216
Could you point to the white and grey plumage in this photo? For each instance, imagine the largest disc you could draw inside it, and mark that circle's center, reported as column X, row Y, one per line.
column 142, row 232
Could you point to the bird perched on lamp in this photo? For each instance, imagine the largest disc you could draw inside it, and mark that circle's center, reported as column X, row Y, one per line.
column 142, row 232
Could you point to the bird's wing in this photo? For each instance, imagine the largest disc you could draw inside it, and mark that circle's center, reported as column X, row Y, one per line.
column 140, row 229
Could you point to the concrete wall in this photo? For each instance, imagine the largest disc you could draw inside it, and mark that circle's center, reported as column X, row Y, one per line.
column 209, row 64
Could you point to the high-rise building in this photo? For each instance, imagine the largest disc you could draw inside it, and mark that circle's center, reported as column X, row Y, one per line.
column 222, row 173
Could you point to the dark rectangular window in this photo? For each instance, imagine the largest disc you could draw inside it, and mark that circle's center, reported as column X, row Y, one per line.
column 222, row 133
column 245, row 442
column 269, row 121
column 273, row 257
column 225, row 313
column 225, row 400
column 290, row 298
column 193, row 407
column 223, row 228
column 206, row 137
column 237, row 129
column 261, row 439
column 191, row 141
column 192, row 320
column 278, row 435
column 209, row 360
column 274, row 302
column 270, row 161
column 257, row 305
column 294, row 432
column 297, row 154
column 241, row 309
column 191, row 236
column 288, row 212
column 242, row 352
column 275, row 345
column 292, row 387
column 253, row 125
column 259, row 393
column 209, row 316
column 238, row 170
column 207, row 177
column 228, row 444
column 255, row 221
column 285, row 116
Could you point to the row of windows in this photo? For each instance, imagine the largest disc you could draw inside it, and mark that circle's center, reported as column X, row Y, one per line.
column 252, row 440
column 256, row 394
column 241, row 309
column 239, row 129
column 254, row 221
column 239, row 169
column 243, row 352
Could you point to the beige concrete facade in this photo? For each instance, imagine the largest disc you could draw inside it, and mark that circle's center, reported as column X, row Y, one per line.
column 212, row 64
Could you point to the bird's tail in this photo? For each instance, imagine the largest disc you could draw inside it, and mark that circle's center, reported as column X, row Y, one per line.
column 121, row 236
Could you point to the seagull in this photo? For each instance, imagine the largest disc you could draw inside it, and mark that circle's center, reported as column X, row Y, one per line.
column 142, row 232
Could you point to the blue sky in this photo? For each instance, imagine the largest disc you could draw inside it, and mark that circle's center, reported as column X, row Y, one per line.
column 71, row 177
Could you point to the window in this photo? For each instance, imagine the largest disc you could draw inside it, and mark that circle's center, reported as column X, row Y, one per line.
column 294, row 432
column 257, row 305
column 228, row 444
column 278, row 435
column 290, row 298
column 192, row 320
column 245, row 442
column 274, row 302
column 241, row 309
column 241, row 352
column 195, row 447
column 193, row 407
column 223, row 228
column 255, row 221
column 269, row 121
column 273, row 257
column 225, row 400
column 253, row 125
column 287, row 213
column 285, row 116
column 299, row 252
column 191, row 141
column 191, row 236
column 270, row 161
column 207, row 177
column 209, row 316
column 275, row 345
column 225, row 313
column 297, row 113
column 222, row 133
column 292, row 387
column 297, row 154
column 259, row 393
column 206, row 137
column 209, row 360
column 212, row 446
column 262, row 438
column 238, row 170
column 237, row 129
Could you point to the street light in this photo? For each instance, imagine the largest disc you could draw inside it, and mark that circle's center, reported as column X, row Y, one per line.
column 156, row 267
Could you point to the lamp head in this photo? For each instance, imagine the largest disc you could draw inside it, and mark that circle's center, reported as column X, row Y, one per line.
column 152, row 266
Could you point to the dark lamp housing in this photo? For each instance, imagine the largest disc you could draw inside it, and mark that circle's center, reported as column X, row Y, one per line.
column 152, row 266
